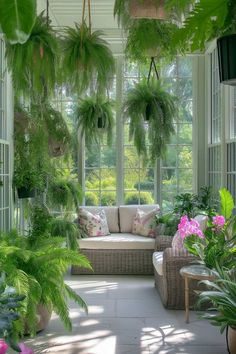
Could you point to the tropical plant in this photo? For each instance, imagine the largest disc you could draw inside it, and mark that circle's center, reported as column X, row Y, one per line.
column 10, row 303
column 17, row 19
column 88, row 61
column 36, row 270
column 186, row 203
column 216, row 245
column 149, row 38
column 64, row 226
column 168, row 223
column 222, row 296
column 207, row 20
column 151, row 112
column 34, row 64
column 95, row 117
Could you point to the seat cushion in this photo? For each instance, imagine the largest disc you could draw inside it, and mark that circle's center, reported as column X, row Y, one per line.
column 118, row 241
column 128, row 212
column 111, row 215
column 157, row 259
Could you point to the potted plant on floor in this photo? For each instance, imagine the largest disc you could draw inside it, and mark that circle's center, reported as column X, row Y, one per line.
column 222, row 296
column 95, row 117
column 36, row 269
column 87, row 59
column 151, row 111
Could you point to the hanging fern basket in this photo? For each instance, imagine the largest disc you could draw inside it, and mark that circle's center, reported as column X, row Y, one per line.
column 25, row 192
column 147, row 9
column 226, row 47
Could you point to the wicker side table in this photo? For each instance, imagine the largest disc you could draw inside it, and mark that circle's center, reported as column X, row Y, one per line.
column 196, row 272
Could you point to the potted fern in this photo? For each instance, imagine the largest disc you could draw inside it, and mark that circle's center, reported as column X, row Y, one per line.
column 151, row 112
column 36, row 269
column 221, row 295
column 95, row 118
column 34, row 64
column 149, row 38
column 87, row 59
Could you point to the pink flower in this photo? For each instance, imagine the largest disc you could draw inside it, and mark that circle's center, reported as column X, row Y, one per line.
column 188, row 227
column 3, row 347
column 219, row 220
column 24, row 349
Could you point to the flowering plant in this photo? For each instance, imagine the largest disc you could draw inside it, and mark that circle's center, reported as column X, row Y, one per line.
column 217, row 243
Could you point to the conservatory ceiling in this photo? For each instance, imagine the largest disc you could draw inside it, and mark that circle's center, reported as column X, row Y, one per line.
column 67, row 12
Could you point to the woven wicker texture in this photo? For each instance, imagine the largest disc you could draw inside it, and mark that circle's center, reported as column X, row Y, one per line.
column 137, row 262
column 171, row 285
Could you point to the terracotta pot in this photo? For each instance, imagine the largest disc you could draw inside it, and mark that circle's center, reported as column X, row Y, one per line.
column 232, row 340
column 147, row 9
column 43, row 317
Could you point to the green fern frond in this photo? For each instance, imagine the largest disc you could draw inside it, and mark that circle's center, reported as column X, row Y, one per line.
column 206, row 21
column 91, row 112
column 151, row 112
column 34, row 64
column 87, row 59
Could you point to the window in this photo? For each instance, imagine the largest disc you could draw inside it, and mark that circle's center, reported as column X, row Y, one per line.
column 214, row 146
column 5, row 185
column 177, row 167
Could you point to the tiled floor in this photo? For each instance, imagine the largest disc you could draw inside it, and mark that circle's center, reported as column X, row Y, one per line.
column 126, row 316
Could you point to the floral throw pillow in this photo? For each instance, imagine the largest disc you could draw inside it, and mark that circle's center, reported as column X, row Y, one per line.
column 93, row 224
column 144, row 223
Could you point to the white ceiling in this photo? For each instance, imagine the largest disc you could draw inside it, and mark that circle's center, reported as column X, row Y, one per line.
column 67, row 12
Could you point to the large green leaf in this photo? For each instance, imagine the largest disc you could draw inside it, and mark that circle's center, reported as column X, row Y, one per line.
column 17, row 18
column 226, row 203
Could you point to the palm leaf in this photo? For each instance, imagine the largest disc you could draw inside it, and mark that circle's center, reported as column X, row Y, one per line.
column 17, row 18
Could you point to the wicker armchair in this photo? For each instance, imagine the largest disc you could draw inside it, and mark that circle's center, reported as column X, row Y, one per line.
column 170, row 285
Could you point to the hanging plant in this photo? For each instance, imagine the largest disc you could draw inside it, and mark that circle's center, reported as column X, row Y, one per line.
column 58, row 133
column 95, row 118
column 34, row 64
column 149, row 38
column 87, row 59
column 128, row 11
column 151, row 112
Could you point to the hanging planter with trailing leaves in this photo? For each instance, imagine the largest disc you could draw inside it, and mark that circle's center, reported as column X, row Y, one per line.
column 95, row 118
column 148, row 9
column 226, row 47
column 88, row 61
column 150, row 110
column 34, row 64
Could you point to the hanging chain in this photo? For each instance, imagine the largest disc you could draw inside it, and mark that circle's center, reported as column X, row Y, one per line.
column 153, row 65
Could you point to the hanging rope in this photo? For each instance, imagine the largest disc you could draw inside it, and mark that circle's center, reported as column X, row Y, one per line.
column 153, row 66
column 83, row 19
column 47, row 12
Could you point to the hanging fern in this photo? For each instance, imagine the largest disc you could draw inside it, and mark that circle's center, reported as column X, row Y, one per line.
column 93, row 111
column 34, row 64
column 151, row 112
column 208, row 19
column 87, row 59
column 149, row 38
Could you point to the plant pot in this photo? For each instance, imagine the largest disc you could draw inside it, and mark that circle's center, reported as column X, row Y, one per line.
column 24, row 192
column 148, row 112
column 231, row 339
column 101, row 123
column 226, row 47
column 147, row 9
column 56, row 148
column 43, row 317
